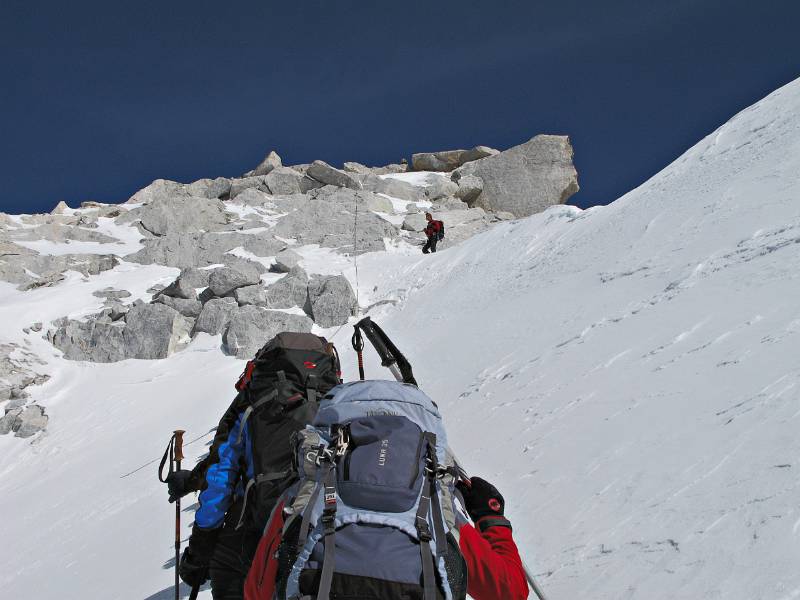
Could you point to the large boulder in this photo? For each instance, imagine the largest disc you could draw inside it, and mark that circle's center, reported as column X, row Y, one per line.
column 526, row 179
column 289, row 291
column 271, row 161
column 393, row 187
column 441, row 188
column 210, row 188
column 286, row 260
column 324, row 173
column 250, row 294
column 154, row 331
column 215, row 316
column 356, row 167
column 187, row 307
column 329, row 219
column 178, row 215
column 331, row 300
column 222, row 282
column 181, row 288
column 160, row 189
column 469, row 188
column 246, row 183
column 477, row 153
column 283, row 181
column 29, row 270
column 415, row 222
column 251, row 327
column 446, row 160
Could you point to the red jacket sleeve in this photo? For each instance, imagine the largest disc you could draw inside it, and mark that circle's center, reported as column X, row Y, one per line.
column 494, row 568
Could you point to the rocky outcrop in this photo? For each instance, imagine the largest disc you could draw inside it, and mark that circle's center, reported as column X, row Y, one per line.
column 210, row 188
column 331, row 300
column 326, row 174
column 448, row 160
column 328, row 219
column 179, row 215
column 441, row 188
column 223, row 282
column 286, row 260
column 414, row 222
column 251, row 327
column 188, row 307
column 147, row 331
column 282, row 181
column 469, row 188
column 246, row 183
column 393, row 187
column 271, row 161
column 525, row 179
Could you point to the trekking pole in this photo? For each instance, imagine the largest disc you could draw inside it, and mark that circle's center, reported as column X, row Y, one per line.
column 390, row 355
column 358, row 346
column 174, row 453
column 534, row 586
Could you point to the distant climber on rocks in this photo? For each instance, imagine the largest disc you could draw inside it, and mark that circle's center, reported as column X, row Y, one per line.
column 434, row 232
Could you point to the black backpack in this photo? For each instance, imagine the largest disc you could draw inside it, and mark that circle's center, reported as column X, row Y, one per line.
column 278, row 396
column 441, row 230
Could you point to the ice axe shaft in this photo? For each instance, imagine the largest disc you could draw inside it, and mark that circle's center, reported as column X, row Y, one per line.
column 178, row 437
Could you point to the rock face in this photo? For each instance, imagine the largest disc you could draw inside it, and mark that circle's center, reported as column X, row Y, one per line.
column 526, row 179
column 324, row 173
column 163, row 216
column 271, row 161
column 251, row 327
column 441, row 188
column 246, row 183
column 393, row 187
column 331, row 300
column 469, row 188
column 286, row 260
column 328, row 219
column 283, row 181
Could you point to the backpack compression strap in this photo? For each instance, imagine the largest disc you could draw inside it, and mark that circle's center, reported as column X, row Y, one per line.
column 428, row 498
column 329, row 531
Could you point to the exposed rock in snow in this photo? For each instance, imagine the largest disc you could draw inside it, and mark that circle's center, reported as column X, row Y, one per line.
column 60, row 233
column 215, row 315
column 446, row 160
column 179, row 215
column 24, row 422
column 210, row 188
column 29, row 270
column 286, row 260
column 477, row 153
column 17, row 372
column 160, row 189
column 183, row 287
column 393, row 187
column 60, row 208
column 271, row 161
column 154, row 331
column 441, row 188
column 415, row 222
column 250, row 294
column 469, row 188
column 251, row 327
column 328, row 219
column 246, row 183
column 356, row 167
column 253, row 197
column 283, row 181
column 326, row 174
column 186, row 306
column 290, row 290
column 331, row 300
column 526, row 179
column 111, row 294
column 223, row 281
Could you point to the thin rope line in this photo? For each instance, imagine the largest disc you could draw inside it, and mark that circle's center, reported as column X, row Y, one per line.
column 199, row 437
column 355, row 255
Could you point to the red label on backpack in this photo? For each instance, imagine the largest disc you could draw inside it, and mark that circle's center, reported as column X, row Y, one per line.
column 309, row 365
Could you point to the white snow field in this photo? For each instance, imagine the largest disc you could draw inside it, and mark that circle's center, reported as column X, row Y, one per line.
column 628, row 376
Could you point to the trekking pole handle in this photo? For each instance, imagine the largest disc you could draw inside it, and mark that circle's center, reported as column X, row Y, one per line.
column 178, row 445
column 534, row 586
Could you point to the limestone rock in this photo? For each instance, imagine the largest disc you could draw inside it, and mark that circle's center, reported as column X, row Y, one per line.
column 251, row 327
column 246, row 183
column 469, row 188
column 323, row 172
column 283, row 181
column 528, row 178
column 179, row 215
column 331, row 300
column 441, row 188
column 215, row 315
column 446, row 160
column 250, row 294
column 111, row 294
column 30, row 421
column 394, row 188
column 160, row 189
column 288, row 291
column 154, row 331
column 253, row 197
column 328, row 219
column 188, row 307
column 193, row 278
column 477, row 153
column 270, row 162
column 286, row 260
column 210, row 188
column 355, row 167
column 225, row 280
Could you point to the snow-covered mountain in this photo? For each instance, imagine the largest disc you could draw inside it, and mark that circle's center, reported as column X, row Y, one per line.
column 626, row 375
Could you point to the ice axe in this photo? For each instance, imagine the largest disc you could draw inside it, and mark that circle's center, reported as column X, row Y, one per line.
column 174, row 453
column 393, row 359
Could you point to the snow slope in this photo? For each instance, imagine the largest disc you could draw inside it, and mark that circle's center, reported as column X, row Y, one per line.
column 627, row 376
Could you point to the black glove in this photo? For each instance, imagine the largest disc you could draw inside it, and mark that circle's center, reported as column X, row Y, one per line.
column 194, row 562
column 483, row 502
column 179, row 484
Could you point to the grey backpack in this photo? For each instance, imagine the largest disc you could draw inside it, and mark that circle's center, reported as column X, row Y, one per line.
column 373, row 514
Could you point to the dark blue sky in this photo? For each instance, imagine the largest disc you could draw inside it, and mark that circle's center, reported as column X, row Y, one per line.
column 100, row 98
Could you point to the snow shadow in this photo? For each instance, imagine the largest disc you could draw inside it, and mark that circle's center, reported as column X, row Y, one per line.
column 169, row 592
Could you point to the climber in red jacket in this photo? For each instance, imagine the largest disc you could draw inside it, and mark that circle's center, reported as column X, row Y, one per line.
column 494, row 568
